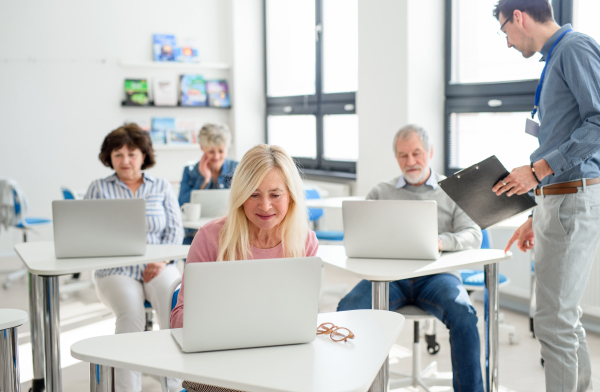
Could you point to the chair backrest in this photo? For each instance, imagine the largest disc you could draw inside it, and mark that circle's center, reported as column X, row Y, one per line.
column 17, row 203
column 313, row 213
column 485, row 243
column 67, row 193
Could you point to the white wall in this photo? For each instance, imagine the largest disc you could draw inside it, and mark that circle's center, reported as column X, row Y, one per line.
column 401, row 81
column 62, row 83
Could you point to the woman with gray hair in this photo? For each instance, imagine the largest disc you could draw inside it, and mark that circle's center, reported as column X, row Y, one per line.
column 213, row 171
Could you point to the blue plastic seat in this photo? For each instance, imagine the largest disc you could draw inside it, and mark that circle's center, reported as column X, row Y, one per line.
column 314, row 214
column 474, row 279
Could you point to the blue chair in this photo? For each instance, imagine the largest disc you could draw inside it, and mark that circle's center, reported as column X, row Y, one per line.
column 315, row 214
column 67, row 193
column 24, row 224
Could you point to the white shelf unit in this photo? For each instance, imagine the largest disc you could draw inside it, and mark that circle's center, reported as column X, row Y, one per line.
column 175, row 65
column 177, row 147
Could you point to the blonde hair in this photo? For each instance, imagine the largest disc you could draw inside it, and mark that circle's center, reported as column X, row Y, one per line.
column 234, row 238
column 211, row 135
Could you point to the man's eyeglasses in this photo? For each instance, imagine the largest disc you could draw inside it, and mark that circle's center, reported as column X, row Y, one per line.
column 337, row 334
column 501, row 32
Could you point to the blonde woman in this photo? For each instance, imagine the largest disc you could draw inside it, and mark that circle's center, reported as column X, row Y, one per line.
column 267, row 217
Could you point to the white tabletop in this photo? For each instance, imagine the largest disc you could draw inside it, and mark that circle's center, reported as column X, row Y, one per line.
column 330, row 202
column 322, row 365
column 388, row 270
column 10, row 318
column 197, row 223
column 39, row 258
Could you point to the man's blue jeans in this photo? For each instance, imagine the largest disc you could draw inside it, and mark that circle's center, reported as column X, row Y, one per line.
column 445, row 297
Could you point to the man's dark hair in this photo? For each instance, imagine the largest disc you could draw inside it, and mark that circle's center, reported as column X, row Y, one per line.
column 133, row 137
column 540, row 10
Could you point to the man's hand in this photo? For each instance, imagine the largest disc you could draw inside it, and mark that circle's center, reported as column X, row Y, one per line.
column 524, row 237
column 521, row 179
column 153, row 269
column 440, row 244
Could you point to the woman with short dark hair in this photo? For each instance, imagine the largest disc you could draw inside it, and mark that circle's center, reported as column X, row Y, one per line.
column 128, row 150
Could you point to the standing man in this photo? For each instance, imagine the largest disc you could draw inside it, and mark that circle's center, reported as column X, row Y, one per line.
column 565, row 170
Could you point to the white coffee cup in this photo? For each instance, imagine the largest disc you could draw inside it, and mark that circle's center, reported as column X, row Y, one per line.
column 190, row 211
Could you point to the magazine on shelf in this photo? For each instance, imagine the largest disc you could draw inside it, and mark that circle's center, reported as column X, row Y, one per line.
column 179, row 137
column 143, row 123
column 160, row 129
column 193, row 90
column 191, row 125
column 136, row 92
column 187, row 50
column 164, row 47
column 218, row 93
column 165, row 91
column 158, row 137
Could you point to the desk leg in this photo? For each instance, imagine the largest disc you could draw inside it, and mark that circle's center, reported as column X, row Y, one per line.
column 491, row 283
column 9, row 361
column 51, row 307
column 36, row 323
column 102, row 378
column 381, row 301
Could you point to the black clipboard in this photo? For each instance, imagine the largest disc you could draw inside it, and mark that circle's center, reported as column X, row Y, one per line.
column 471, row 190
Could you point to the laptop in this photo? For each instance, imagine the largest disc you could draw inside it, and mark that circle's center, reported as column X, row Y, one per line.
column 249, row 303
column 99, row 227
column 391, row 229
column 213, row 202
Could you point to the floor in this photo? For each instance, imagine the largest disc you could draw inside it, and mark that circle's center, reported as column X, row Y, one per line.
column 82, row 315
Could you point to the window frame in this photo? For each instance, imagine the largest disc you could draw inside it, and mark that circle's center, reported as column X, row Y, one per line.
column 319, row 104
column 475, row 97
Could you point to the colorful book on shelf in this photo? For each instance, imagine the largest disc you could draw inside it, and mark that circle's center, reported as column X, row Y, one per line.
column 144, row 123
column 164, row 47
column 218, row 93
column 193, row 90
column 191, row 125
column 158, row 137
column 179, row 137
column 187, row 50
column 136, row 92
column 165, row 91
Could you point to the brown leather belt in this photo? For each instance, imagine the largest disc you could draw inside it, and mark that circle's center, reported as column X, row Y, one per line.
column 566, row 187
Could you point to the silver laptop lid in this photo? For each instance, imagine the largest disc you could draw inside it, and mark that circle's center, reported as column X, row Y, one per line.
column 213, row 202
column 391, row 229
column 99, row 227
column 250, row 303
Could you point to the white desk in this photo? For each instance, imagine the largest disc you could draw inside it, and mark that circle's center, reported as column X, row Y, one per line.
column 331, row 202
column 10, row 319
column 45, row 269
column 322, row 365
column 382, row 271
column 197, row 223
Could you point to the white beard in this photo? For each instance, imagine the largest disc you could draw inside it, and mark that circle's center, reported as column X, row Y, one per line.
column 415, row 178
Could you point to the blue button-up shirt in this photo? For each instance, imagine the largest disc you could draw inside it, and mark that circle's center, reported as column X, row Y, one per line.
column 569, row 111
column 432, row 181
column 192, row 180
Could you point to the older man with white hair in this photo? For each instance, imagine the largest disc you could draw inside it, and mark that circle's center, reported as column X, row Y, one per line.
column 442, row 295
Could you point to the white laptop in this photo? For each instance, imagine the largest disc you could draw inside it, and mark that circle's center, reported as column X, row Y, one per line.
column 99, row 227
column 213, row 202
column 249, row 303
column 391, row 229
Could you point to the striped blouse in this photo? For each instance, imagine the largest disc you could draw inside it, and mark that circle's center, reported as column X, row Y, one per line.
column 163, row 217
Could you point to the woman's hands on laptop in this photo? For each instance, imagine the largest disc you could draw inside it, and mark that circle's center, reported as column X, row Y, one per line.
column 440, row 244
column 153, row 269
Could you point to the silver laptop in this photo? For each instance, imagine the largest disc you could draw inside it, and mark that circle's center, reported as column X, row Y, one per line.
column 391, row 229
column 249, row 303
column 100, row 227
column 213, row 202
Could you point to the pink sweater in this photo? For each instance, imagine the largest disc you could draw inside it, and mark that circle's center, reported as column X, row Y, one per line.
column 205, row 247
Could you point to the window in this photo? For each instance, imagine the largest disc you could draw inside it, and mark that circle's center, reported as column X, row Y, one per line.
column 490, row 89
column 585, row 17
column 312, row 78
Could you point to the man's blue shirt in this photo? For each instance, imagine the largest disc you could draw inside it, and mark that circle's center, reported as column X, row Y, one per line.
column 569, row 111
